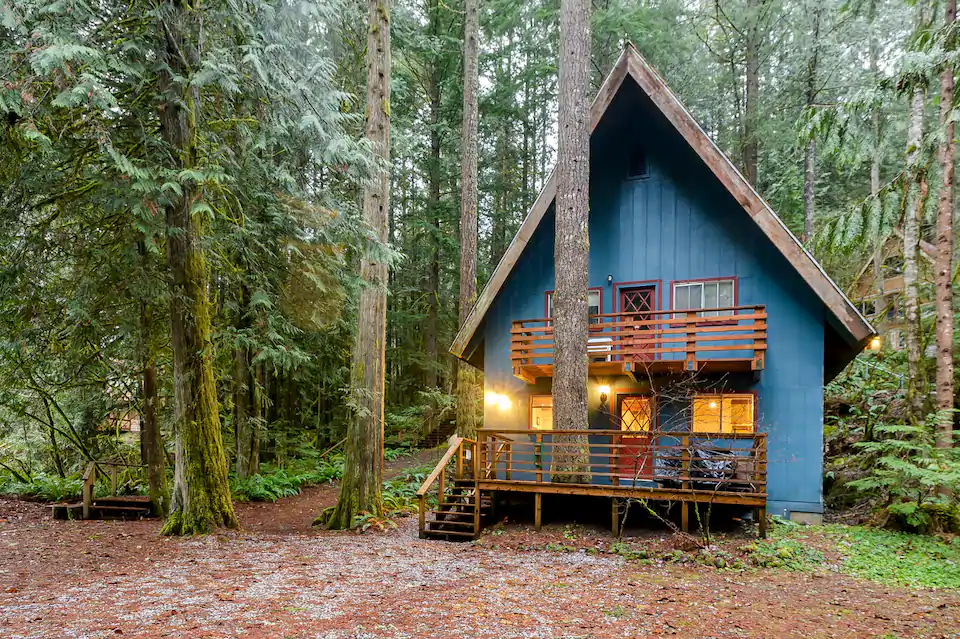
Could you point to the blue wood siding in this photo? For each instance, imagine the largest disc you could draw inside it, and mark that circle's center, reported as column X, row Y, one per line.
column 679, row 224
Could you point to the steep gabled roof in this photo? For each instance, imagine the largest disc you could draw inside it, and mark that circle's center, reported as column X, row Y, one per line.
column 631, row 64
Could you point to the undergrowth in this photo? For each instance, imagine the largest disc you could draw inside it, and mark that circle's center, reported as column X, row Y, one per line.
column 897, row 558
column 273, row 482
column 43, row 487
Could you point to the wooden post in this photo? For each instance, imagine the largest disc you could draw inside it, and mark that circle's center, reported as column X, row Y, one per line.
column 615, row 527
column 614, row 470
column 762, row 517
column 691, row 325
column 685, row 483
column 761, row 474
column 460, row 461
column 537, row 510
column 482, row 454
column 423, row 515
column 509, row 460
column 89, row 482
column 443, row 473
column 760, row 326
column 538, row 457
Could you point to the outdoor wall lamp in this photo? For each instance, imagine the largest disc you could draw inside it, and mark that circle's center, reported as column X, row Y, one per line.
column 496, row 399
column 609, row 280
column 875, row 343
column 604, row 394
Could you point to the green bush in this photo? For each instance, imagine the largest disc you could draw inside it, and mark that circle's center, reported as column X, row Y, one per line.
column 913, row 477
column 43, row 487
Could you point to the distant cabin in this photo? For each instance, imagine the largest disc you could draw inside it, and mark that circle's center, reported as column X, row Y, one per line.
column 712, row 330
column 878, row 288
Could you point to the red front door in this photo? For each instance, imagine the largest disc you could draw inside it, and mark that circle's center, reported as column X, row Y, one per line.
column 634, row 419
column 636, row 304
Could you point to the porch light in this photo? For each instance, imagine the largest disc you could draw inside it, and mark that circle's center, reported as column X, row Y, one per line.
column 604, row 390
column 713, row 404
column 498, row 400
column 875, row 343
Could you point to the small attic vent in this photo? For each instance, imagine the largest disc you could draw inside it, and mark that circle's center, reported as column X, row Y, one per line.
column 638, row 165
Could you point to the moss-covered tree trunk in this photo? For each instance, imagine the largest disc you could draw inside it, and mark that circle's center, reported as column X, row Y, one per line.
column 468, row 378
column 201, row 493
column 361, row 489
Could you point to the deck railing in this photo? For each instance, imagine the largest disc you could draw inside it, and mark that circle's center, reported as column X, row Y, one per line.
column 727, row 333
column 457, row 464
column 729, row 466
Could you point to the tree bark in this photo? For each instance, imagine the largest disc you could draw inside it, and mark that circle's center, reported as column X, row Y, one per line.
column 911, row 240
column 468, row 378
column 810, row 156
column 201, row 493
column 943, row 267
column 433, row 210
column 247, row 428
column 151, row 441
column 361, row 488
column 876, row 156
column 572, row 241
column 750, row 144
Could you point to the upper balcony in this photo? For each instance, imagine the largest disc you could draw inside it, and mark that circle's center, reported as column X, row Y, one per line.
column 721, row 340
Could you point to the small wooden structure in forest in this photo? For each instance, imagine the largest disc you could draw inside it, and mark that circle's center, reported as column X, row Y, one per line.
column 878, row 289
column 712, row 333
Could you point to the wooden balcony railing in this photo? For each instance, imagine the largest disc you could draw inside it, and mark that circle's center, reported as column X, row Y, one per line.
column 723, row 339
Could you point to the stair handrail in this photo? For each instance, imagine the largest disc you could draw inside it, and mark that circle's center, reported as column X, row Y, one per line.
column 438, row 473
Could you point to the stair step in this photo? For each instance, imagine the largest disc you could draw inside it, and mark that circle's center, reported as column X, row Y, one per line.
column 440, row 534
column 455, row 513
column 447, row 522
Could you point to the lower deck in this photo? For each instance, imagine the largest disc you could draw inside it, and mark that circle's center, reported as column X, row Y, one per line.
column 677, row 467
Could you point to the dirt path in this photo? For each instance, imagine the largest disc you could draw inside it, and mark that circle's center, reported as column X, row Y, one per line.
column 296, row 514
column 278, row 579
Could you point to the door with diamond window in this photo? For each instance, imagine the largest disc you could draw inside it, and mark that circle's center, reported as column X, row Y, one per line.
column 635, row 421
column 637, row 304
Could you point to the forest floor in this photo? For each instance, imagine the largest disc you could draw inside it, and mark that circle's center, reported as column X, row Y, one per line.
column 278, row 578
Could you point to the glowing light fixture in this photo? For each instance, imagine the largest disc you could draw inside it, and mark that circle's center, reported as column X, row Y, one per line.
column 713, row 404
column 604, row 390
column 875, row 343
column 498, row 400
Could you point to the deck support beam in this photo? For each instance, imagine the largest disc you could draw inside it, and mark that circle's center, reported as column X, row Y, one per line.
column 537, row 510
column 685, row 516
column 615, row 521
column 762, row 520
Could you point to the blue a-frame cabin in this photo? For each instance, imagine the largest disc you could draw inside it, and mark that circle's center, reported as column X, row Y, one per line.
column 712, row 334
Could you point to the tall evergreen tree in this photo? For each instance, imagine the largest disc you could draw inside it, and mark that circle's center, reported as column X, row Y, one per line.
column 572, row 244
column 361, row 490
column 468, row 383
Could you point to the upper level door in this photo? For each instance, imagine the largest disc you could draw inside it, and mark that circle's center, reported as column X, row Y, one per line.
column 638, row 303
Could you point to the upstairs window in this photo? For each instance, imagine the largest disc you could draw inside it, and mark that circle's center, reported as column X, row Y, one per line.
column 709, row 294
column 637, row 167
column 727, row 413
column 594, row 299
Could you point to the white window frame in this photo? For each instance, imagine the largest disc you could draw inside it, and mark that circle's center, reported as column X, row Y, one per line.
column 704, row 284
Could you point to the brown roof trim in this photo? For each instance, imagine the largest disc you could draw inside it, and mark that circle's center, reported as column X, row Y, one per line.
column 632, row 63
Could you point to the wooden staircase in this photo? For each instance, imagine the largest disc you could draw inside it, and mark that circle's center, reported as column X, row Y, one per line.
column 440, row 434
column 460, row 511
